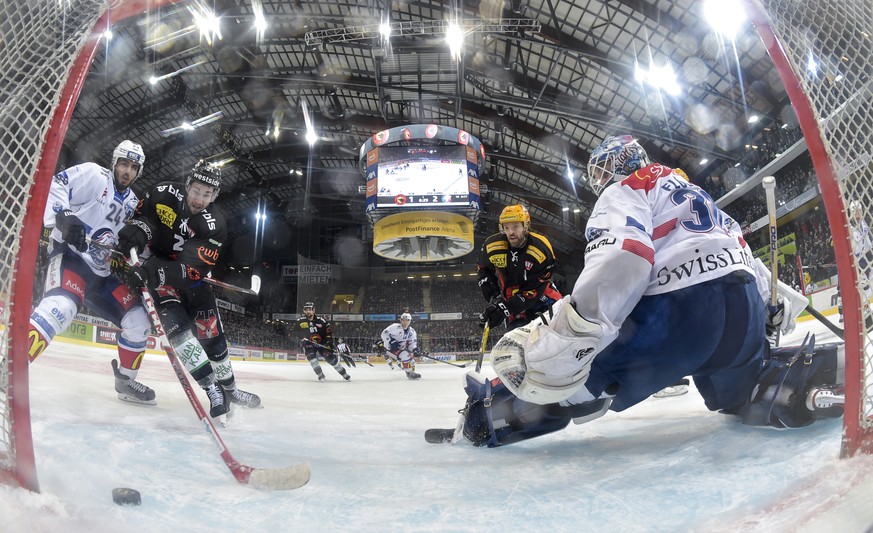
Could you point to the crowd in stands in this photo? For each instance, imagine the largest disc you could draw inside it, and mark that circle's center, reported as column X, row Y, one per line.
column 388, row 296
column 444, row 297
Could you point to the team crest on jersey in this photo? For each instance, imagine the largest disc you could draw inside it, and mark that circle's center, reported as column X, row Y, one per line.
column 499, row 260
column 166, row 215
column 207, row 325
column 100, row 249
column 528, row 265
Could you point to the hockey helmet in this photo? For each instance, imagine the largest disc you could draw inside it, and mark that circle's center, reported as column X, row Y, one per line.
column 406, row 316
column 515, row 213
column 207, row 174
column 616, row 158
column 131, row 151
column 308, row 305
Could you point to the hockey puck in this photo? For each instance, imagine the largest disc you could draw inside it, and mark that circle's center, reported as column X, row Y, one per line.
column 124, row 496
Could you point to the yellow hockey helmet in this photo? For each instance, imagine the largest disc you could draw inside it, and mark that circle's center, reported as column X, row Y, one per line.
column 515, row 213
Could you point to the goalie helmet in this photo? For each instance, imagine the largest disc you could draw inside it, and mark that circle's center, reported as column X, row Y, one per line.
column 207, row 174
column 616, row 158
column 131, row 151
column 515, row 213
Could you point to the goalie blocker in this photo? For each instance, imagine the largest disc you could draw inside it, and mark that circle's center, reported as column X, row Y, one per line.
column 787, row 395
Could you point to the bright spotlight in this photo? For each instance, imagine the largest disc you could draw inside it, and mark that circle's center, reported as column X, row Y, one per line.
column 724, row 16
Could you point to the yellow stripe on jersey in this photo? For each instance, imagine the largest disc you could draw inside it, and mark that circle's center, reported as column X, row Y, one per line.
column 545, row 241
column 497, row 245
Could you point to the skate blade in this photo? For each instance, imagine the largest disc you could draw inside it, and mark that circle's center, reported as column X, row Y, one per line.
column 133, row 399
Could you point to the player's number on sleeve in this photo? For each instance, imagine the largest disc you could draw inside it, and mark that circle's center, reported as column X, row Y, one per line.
column 701, row 205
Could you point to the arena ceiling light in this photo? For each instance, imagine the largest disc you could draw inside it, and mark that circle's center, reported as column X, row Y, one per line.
column 724, row 16
column 662, row 78
column 194, row 124
column 206, row 21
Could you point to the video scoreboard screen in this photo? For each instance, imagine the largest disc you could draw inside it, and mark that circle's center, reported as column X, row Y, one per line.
column 421, row 177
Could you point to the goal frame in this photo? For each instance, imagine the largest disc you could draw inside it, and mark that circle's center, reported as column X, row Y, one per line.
column 856, row 438
column 23, row 471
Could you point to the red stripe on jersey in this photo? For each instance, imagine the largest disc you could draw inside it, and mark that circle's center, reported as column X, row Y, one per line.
column 637, row 248
column 645, row 178
column 664, row 229
column 743, row 242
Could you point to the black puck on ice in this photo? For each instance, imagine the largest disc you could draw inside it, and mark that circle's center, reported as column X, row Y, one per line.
column 124, row 496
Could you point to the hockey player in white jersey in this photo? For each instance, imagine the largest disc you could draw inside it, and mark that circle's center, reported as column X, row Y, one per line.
column 668, row 290
column 400, row 342
column 87, row 205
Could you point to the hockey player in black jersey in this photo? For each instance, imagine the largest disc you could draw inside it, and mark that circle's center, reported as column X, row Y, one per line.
column 317, row 339
column 515, row 272
column 180, row 238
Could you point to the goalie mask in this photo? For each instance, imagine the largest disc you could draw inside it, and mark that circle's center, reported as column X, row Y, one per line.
column 129, row 151
column 616, row 158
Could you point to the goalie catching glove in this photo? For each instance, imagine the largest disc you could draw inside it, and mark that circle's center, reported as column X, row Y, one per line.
column 548, row 360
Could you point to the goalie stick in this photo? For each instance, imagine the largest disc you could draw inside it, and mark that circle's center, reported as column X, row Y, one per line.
column 287, row 478
column 453, row 436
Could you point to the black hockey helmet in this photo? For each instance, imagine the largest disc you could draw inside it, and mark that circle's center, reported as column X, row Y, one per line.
column 205, row 173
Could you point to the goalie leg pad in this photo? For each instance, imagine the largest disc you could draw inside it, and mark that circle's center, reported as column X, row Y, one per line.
column 495, row 417
column 779, row 398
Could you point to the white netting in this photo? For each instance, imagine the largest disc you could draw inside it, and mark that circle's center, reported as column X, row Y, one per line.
column 39, row 41
column 830, row 50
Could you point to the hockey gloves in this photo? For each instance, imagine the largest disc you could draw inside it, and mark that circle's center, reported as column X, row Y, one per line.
column 489, row 288
column 494, row 314
column 548, row 360
column 135, row 234
column 776, row 316
column 72, row 230
column 148, row 275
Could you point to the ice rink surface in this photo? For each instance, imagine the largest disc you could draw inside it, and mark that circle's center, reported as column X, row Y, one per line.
column 664, row 465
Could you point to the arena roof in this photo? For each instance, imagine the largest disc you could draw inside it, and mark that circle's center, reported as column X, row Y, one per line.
column 540, row 82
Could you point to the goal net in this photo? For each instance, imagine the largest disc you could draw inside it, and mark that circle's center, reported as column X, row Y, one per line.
column 823, row 52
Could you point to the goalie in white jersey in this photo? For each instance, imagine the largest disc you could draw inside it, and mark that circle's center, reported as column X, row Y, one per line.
column 668, row 290
column 401, row 341
column 87, row 205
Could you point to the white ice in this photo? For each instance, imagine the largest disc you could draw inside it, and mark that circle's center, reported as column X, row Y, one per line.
column 664, row 465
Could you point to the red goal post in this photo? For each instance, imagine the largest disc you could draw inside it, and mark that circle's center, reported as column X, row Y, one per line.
column 823, row 52
column 46, row 51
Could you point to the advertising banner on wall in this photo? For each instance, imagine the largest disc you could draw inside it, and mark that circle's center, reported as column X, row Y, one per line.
column 106, row 335
column 79, row 332
column 306, row 274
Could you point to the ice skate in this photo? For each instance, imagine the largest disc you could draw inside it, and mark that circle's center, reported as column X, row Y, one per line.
column 677, row 389
column 412, row 374
column 243, row 398
column 130, row 390
column 218, row 400
column 823, row 398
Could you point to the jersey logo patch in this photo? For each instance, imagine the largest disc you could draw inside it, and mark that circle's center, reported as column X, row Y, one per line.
column 498, row 260
column 166, row 214
column 645, row 178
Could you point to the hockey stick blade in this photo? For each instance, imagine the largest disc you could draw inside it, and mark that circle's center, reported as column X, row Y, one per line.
column 428, row 356
column 287, row 478
column 439, row 435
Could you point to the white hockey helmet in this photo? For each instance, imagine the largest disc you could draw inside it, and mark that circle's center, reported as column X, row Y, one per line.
column 616, row 158
column 131, row 151
column 406, row 316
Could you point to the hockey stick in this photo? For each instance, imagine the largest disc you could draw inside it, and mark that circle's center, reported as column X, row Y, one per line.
column 343, row 357
column 254, row 290
column 441, row 361
column 485, row 333
column 827, row 323
column 287, row 478
column 769, row 184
